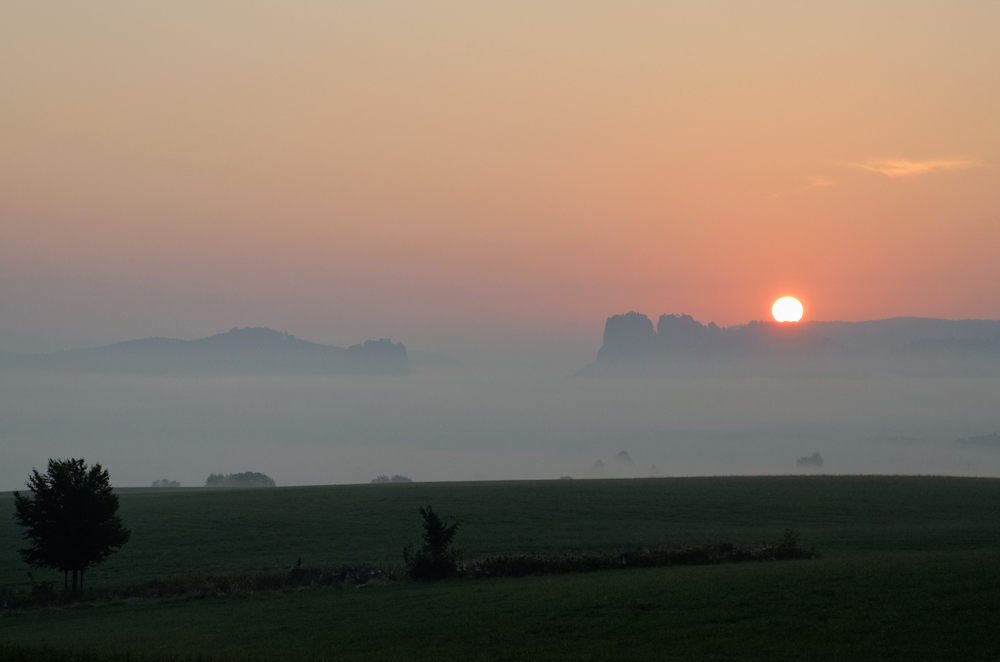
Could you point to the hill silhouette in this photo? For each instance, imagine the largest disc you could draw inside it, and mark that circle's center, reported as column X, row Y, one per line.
column 239, row 351
column 681, row 345
column 900, row 333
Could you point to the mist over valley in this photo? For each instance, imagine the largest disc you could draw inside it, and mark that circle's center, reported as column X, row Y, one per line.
column 262, row 400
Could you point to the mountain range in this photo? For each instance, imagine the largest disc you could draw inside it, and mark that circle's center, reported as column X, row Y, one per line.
column 239, row 351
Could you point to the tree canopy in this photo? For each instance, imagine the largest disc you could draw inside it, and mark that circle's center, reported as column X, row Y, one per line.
column 70, row 518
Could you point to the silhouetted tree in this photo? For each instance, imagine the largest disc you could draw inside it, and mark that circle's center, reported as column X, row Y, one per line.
column 70, row 518
column 435, row 559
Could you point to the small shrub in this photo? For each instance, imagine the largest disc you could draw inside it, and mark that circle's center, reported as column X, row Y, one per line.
column 435, row 559
column 788, row 547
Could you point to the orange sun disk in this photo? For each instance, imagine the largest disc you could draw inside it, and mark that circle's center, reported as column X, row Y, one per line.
column 787, row 309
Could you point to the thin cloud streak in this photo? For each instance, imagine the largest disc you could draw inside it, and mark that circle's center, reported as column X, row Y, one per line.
column 899, row 168
column 816, row 181
column 819, row 181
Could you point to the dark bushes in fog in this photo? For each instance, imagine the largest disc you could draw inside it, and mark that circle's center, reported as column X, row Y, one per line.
column 814, row 461
column 246, row 479
column 163, row 482
column 395, row 479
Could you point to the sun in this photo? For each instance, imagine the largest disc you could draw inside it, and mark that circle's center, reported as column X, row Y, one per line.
column 787, row 309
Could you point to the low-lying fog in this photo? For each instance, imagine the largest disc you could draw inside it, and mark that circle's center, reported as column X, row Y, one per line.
column 505, row 413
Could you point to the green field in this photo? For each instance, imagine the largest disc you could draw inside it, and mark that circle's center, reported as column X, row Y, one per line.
column 909, row 569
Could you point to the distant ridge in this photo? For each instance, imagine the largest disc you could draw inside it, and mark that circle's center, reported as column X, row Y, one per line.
column 254, row 338
column 896, row 333
column 908, row 345
column 254, row 350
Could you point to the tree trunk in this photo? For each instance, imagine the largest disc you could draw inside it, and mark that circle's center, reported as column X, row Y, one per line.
column 65, row 580
column 81, row 580
column 74, row 579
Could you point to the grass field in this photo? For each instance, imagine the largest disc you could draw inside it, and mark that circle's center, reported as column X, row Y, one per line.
column 910, row 569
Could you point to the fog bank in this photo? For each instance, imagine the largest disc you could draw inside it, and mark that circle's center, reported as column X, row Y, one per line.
column 505, row 412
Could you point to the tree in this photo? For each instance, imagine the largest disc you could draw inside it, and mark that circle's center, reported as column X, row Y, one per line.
column 435, row 559
column 70, row 518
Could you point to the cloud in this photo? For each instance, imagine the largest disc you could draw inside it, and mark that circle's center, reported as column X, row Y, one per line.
column 816, row 181
column 819, row 181
column 898, row 168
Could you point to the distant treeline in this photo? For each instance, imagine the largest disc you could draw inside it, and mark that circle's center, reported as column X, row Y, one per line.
column 395, row 479
column 246, row 479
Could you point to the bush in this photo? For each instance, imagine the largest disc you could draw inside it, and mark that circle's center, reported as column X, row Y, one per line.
column 163, row 482
column 435, row 559
column 788, row 547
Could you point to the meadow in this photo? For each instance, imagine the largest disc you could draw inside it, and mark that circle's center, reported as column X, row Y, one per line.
column 909, row 568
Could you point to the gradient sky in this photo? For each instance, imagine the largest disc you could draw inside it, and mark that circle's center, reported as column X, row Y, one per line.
column 437, row 170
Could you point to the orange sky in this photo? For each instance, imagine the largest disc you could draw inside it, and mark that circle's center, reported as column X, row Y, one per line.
column 427, row 170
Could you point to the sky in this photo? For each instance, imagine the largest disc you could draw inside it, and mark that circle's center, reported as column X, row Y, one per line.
column 491, row 181
column 439, row 171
